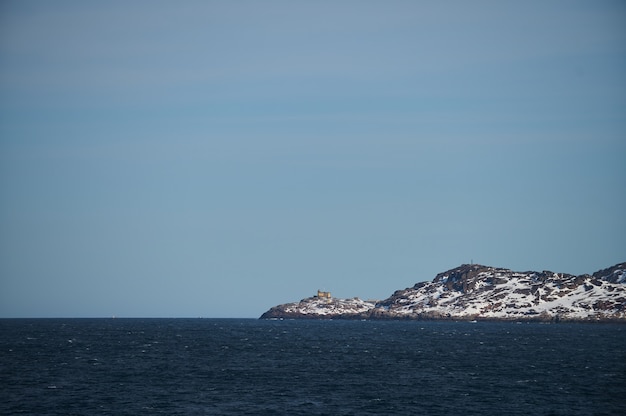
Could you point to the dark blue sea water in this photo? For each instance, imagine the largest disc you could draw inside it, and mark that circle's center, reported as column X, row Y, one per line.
column 252, row 367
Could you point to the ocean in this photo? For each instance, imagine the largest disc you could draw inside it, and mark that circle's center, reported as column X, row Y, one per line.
column 298, row 367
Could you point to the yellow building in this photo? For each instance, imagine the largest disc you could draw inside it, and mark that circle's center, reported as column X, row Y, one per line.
column 321, row 294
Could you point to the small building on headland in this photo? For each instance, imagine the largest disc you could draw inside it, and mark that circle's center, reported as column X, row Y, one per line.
column 323, row 295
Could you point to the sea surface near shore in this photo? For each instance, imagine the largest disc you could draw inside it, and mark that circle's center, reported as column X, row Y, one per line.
column 264, row 367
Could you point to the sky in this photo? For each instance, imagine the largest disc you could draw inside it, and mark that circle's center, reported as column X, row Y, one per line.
column 217, row 158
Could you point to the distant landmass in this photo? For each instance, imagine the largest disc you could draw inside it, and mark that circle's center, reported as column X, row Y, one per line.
column 476, row 292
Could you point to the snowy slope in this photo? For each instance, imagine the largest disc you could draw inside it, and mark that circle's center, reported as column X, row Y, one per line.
column 475, row 291
column 315, row 307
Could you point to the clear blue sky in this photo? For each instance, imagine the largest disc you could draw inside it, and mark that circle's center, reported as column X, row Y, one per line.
column 215, row 158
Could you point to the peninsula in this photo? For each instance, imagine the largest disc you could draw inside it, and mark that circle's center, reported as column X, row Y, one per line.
column 476, row 292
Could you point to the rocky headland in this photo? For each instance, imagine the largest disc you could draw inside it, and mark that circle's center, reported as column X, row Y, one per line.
column 477, row 292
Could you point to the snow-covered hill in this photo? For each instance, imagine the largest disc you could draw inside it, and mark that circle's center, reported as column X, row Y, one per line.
column 475, row 291
column 321, row 308
column 481, row 292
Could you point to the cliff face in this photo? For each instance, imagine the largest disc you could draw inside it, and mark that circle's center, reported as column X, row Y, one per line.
column 481, row 292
